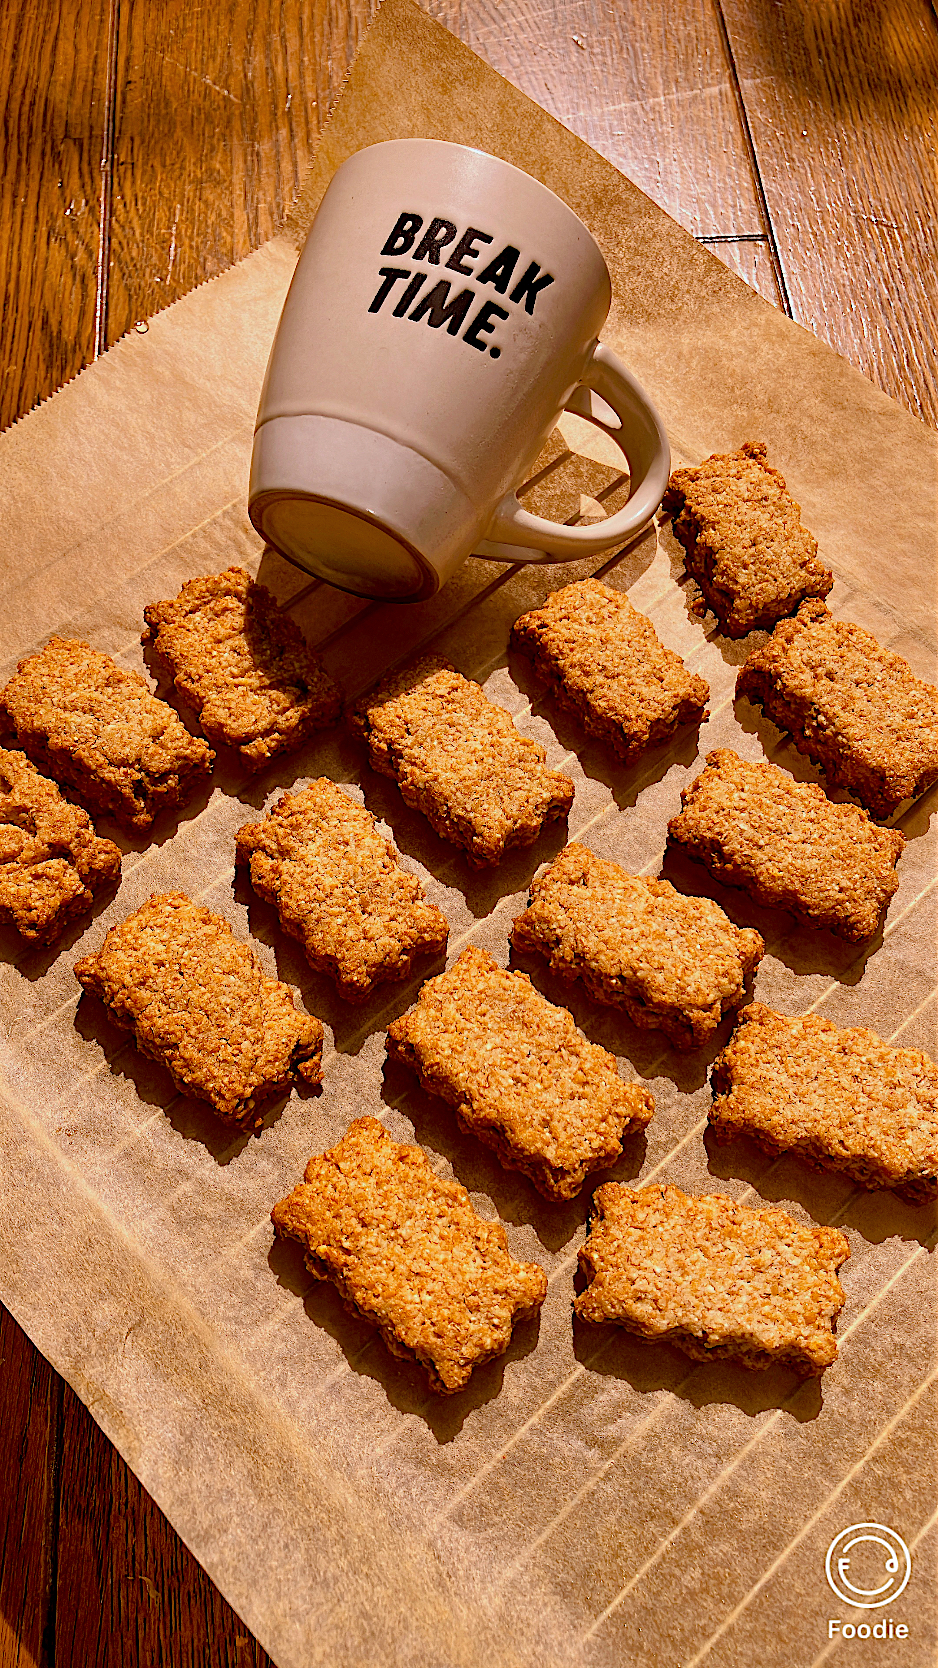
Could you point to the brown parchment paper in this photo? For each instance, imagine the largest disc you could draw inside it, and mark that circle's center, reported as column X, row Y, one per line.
column 590, row 1499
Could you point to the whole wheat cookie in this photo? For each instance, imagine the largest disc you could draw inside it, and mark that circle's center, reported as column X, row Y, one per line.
column 518, row 1074
column 198, row 1000
column 335, row 882
column 673, row 963
column 84, row 720
column 603, row 660
column 743, row 539
column 407, row 1251
column 244, row 667
column 51, row 860
column 713, row 1278
column 459, row 759
column 855, row 707
column 841, row 1099
column 753, row 826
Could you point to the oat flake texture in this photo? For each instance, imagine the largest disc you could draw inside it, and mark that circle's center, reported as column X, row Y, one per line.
column 518, row 1073
column 408, row 1252
column 244, row 667
column 713, row 1278
column 841, row 1099
column 198, row 1000
column 743, row 539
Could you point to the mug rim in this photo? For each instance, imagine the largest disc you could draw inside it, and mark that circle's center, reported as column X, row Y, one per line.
column 474, row 150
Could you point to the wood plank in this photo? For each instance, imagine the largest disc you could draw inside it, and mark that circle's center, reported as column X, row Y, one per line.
column 216, row 111
column 650, row 88
column 840, row 98
column 129, row 1593
column 30, row 1413
column 53, row 72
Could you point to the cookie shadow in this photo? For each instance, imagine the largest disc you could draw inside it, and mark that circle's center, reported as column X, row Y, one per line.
column 190, row 1118
column 33, row 961
column 650, row 1367
column 827, row 1195
column 403, row 1382
column 597, row 759
column 804, row 950
column 331, row 752
column 481, row 889
column 648, row 1051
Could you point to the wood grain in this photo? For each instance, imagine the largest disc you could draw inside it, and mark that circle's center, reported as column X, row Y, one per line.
column 651, row 89
column 147, row 145
column 840, row 98
column 213, row 126
column 128, row 1591
column 54, row 74
column 29, row 1438
column 91, row 1573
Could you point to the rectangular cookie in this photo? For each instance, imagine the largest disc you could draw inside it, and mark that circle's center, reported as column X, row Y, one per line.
column 603, row 660
column 407, row 1251
column 518, row 1074
column 51, row 860
column 787, row 845
column 335, row 882
column 854, row 707
column 198, row 1000
column 841, row 1099
column 459, row 759
column 88, row 723
column 673, row 963
column 743, row 540
column 713, row 1278
column 244, row 667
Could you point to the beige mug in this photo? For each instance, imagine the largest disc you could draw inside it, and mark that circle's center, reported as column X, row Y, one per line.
column 445, row 310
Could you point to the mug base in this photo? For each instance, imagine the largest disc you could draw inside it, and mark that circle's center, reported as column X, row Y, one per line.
column 355, row 507
column 342, row 547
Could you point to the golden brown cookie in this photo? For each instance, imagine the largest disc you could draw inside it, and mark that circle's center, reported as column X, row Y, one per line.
column 407, row 1251
column 743, row 540
column 713, row 1278
column 51, row 861
column 459, row 759
column 244, row 667
column 198, row 1000
column 603, row 660
column 518, row 1074
column 85, row 721
column 841, row 1099
column 673, row 963
column 853, row 706
column 753, row 826
column 335, row 883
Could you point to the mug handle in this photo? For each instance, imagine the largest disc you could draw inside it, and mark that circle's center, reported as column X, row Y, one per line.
column 515, row 536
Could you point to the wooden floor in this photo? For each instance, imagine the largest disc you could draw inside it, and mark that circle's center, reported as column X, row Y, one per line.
column 148, row 144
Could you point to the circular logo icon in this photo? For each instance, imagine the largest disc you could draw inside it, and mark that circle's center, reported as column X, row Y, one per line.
column 868, row 1565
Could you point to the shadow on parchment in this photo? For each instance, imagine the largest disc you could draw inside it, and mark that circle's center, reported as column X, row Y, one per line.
column 352, row 1023
column 193, row 1119
column 648, row 1366
column 404, row 1382
column 804, row 950
column 482, row 889
column 33, row 961
column 913, row 818
column 648, row 1051
column 596, row 758
column 828, row 1196
column 477, row 1168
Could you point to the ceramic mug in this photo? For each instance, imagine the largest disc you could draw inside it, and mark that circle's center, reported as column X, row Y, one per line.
column 445, row 310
